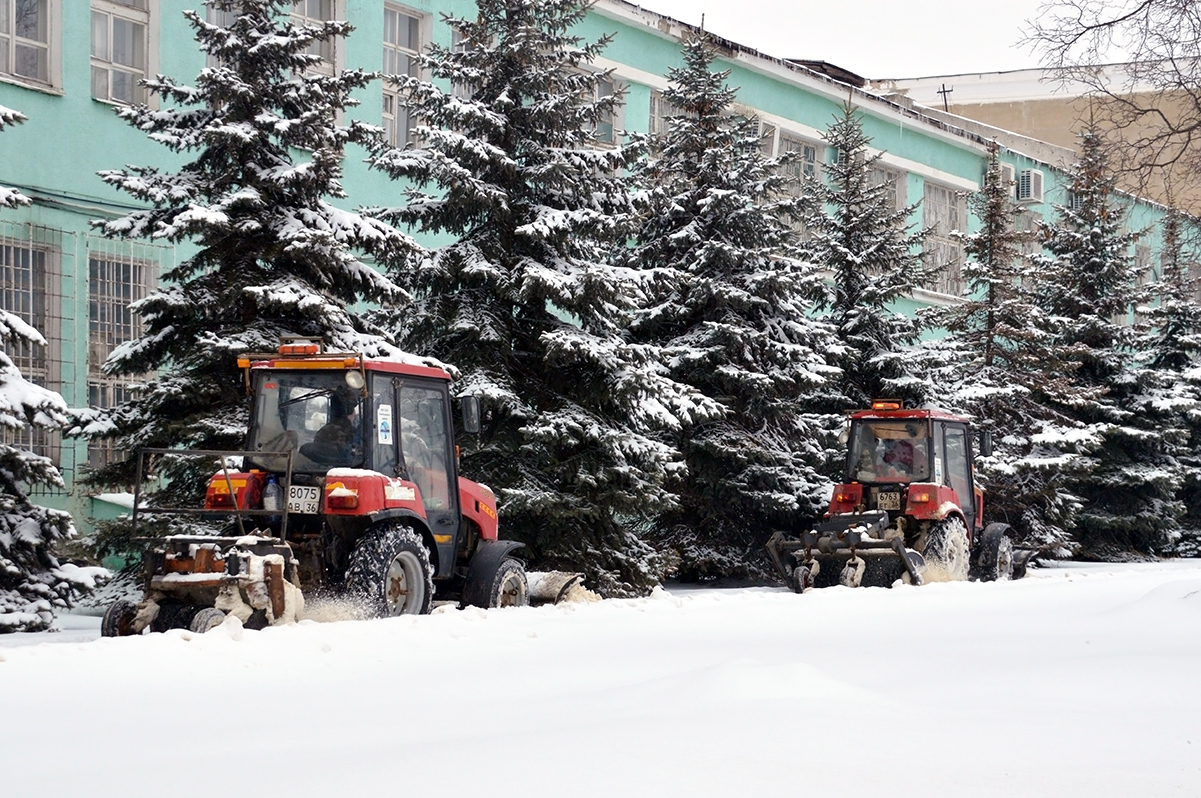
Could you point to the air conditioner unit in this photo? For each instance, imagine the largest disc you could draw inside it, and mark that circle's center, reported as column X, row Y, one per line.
column 1030, row 185
column 1008, row 178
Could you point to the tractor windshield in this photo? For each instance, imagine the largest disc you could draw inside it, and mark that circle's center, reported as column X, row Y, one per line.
column 313, row 414
column 890, row 451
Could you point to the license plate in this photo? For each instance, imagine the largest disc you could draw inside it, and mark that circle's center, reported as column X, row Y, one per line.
column 888, row 501
column 304, row 499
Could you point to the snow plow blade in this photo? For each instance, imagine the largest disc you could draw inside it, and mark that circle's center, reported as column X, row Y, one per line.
column 553, row 587
column 844, row 551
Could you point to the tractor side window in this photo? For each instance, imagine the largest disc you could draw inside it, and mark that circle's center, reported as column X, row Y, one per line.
column 384, row 420
column 425, row 444
column 958, row 473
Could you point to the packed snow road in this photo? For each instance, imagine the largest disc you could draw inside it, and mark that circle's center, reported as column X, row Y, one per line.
column 1082, row 680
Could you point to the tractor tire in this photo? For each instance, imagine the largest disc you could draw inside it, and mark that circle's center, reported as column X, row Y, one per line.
column 509, row 587
column 993, row 560
column 206, row 619
column 118, row 619
column 390, row 572
column 946, row 553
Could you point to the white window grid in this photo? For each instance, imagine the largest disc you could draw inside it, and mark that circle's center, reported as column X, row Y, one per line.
column 402, row 46
column 805, row 167
column 31, row 289
column 119, row 274
column 944, row 210
column 223, row 19
column 317, row 12
column 120, row 50
column 894, row 181
column 25, row 40
column 606, row 126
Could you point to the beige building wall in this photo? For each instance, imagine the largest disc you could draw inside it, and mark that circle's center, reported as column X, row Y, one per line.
column 1030, row 103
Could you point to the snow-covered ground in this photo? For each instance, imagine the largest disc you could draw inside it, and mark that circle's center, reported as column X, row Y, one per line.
column 1083, row 680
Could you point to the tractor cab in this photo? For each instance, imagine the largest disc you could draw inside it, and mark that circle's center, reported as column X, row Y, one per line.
column 910, row 462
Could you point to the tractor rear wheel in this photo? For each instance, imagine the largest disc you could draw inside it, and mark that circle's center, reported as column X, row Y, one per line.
column 509, row 586
column 390, row 571
column 946, row 553
column 118, row 619
column 994, row 556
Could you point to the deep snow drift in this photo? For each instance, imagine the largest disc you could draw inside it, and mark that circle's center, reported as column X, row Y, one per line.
column 1079, row 681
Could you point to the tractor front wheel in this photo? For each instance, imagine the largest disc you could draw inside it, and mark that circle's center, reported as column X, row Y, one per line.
column 390, row 571
column 994, row 556
column 509, row 586
column 946, row 553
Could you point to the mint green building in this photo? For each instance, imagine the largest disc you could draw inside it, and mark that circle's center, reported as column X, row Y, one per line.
column 66, row 65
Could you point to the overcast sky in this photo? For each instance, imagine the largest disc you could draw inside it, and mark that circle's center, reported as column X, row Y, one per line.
column 872, row 38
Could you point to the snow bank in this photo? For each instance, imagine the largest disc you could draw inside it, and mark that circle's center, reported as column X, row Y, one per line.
column 1077, row 681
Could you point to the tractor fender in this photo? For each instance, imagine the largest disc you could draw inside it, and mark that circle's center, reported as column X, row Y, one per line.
column 418, row 522
column 487, row 558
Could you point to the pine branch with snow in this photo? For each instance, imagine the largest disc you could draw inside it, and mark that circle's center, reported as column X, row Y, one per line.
column 10, row 197
column 523, row 299
column 728, row 314
column 854, row 232
column 33, row 583
column 274, row 257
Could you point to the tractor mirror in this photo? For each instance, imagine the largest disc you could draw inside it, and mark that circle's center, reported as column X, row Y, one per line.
column 986, row 443
column 471, row 414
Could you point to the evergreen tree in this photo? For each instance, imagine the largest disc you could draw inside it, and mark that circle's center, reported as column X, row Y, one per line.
column 730, row 318
column 33, row 583
column 1128, row 488
column 996, row 363
column 273, row 256
column 522, row 300
column 1171, row 351
column 855, row 232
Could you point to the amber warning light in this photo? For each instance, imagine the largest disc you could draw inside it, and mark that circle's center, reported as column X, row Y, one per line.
column 886, row 404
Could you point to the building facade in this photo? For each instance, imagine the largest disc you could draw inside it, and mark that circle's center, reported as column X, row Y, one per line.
column 68, row 64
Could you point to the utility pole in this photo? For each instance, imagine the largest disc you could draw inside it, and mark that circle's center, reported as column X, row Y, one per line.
column 944, row 91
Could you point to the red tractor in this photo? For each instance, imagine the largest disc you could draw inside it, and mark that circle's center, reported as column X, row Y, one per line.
column 909, row 509
column 349, row 483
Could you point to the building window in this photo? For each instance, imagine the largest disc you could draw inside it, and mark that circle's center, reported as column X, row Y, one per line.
column 30, row 288
column 606, row 131
column 115, row 281
column 318, row 12
column 25, row 40
column 893, row 181
column 402, row 46
column 120, row 50
column 806, row 166
column 222, row 19
column 945, row 211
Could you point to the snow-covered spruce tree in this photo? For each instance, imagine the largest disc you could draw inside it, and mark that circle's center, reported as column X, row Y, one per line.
column 522, row 301
column 855, row 232
column 1129, row 486
column 730, row 318
column 997, row 359
column 33, row 583
column 273, row 256
column 1171, row 350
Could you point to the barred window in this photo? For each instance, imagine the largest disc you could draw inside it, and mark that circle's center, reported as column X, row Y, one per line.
column 120, row 50
column 30, row 288
column 25, row 42
column 945, row 211
column 116, row 279
column 402, row 45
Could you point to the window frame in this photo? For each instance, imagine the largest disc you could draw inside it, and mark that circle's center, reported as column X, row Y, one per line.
column 336, row 63
column 53, row 47
column 940, row 249
column 148, row 18
column 391, row 118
